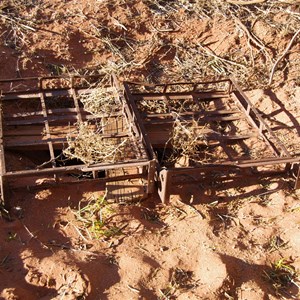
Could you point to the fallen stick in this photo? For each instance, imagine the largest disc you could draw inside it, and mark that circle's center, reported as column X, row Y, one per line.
column 34, row 236
column 237, row 2
column 17, row 22
column 210, row 53
column 288, row 47
column 79, row 233
column 165, row 29
column 253, row 39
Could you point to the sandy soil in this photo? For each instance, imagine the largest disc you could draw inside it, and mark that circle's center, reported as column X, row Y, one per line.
column 214, row 241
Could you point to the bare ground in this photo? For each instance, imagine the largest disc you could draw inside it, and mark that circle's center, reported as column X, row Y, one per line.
column 215, row 241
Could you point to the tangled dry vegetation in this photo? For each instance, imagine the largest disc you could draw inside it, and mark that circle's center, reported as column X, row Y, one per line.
column 101, row 101
column 141, row 42
column 90, row 147
column 186, row 139
column 91, row 142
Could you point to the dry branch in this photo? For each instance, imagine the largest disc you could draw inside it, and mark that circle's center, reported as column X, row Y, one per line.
column 237, row 2
column 288, row 47
column 253, row 39
column 210, row 53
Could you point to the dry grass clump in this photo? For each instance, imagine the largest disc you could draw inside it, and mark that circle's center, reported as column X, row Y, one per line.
column 17, row 22
column 95, row 142
column 101, row 100
column 186, row 105
column 186, row 138
column 90, row 147
column 181, row 280
column 154, row 107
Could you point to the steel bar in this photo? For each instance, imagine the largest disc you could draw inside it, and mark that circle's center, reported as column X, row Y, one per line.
column 260, row 123
column 199, row 120
column 2, row 158
column 51, row 119
column 238, row 164
column 78, row 168
column 56, row 111
column 11, row 80
column 136, row 117
column 194, row 84
column 47, row 128
column 297, row 181
column 76, row 102
column 71, row 180
column 204, row 113
column 179, row 96
column 151, row 175
column 135, row 133
column 34, row 94
column 11, row 143
column 168, row 179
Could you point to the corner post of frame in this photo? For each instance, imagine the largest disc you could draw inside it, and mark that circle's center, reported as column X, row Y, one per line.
column 297, row 179
column 151, row 174
column 3, row 189
column 165, row 181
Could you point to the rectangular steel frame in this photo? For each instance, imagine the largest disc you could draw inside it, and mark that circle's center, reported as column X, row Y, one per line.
column 44, row 88
column 167, row 177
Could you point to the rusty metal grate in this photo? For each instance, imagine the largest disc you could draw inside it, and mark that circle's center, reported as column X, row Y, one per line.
column 39, row 115
column 232, row 139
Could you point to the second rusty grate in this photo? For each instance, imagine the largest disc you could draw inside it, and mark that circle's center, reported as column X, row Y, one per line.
column 206, row 130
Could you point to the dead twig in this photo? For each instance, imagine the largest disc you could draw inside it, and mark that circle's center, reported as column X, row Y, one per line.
column 288, row 47
column 210, row 53
column 237, row 2
column 91, row 147
column 13, row 20
column 253, row 39
column 80, row 234
column 133, row 289
column 34, row 236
